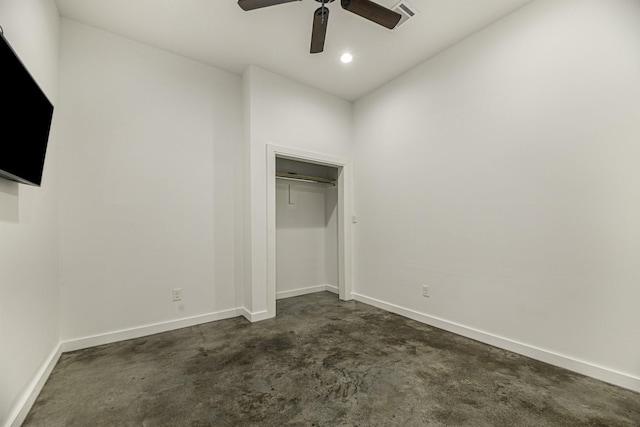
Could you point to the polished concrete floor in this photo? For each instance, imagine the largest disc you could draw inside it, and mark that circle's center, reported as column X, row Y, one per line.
column 320, row 362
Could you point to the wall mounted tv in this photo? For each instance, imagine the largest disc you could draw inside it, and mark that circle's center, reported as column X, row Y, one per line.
column 25, row 120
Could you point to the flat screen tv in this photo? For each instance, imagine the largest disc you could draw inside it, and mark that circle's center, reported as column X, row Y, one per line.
column 25, row 120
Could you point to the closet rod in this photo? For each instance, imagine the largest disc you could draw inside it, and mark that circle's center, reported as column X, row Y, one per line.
column 305, row 178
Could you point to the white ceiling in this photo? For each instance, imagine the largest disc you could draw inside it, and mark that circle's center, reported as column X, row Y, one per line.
column 277, row 38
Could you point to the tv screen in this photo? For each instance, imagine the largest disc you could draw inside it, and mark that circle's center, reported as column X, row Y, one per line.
column 25, row 120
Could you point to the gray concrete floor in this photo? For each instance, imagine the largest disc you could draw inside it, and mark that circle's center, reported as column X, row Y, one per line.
column 320, row 362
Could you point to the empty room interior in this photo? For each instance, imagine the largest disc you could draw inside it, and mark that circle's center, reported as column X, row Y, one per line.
column 234, row 227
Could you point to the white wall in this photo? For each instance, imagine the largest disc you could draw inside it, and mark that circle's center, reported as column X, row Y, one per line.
column 28, row 225
column 300, row 236
column 282, row 112
column 306, row 238
column 150, row 176
column 504, row 173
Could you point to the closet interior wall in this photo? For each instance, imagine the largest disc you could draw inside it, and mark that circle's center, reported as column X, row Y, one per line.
column 306, row 230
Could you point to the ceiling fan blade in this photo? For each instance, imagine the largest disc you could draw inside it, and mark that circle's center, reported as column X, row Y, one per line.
column 373, row 12
column 319, row 31
column 257, row 4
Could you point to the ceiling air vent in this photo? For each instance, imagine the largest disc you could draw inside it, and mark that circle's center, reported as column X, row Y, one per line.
column 406, row 12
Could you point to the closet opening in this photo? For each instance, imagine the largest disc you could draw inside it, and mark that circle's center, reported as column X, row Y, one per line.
column 308, row 232
column 306, row 228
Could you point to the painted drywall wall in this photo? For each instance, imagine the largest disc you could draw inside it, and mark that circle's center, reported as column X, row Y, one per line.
column 151, row 168
column 286, row 113
column 300, row 234
column 503, row 173
column 305, row 259
column 29, row 224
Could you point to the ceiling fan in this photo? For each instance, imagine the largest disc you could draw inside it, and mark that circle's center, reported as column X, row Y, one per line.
column 364, row 8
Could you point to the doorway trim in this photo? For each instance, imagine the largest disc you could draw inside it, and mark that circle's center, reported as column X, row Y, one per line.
column 344, row 208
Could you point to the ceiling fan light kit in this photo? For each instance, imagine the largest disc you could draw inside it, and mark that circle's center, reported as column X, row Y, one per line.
column 364, row 8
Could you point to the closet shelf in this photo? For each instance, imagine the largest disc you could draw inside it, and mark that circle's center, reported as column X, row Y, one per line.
column 307, row 178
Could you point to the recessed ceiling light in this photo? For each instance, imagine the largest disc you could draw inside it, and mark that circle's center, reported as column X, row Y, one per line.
column 346, row 58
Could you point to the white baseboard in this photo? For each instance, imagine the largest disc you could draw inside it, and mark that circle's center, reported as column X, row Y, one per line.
column 254, row 316
column 142, row 331
column 28, row 398
column 582, row 367
column 332, row 288
column 304, row 291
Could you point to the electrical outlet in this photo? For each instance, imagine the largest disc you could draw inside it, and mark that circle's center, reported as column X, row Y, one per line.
column 177, row 294
column 426, row 291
